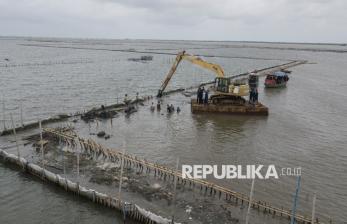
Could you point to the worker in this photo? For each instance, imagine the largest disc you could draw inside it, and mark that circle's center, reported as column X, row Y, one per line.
column 170, row 108
column 255, row 96
column 251, row 96
column 178, row 109
column 126, row 99
column 158, row 106
column 152, row 107
column 202, row 95
column 206, row 97
column 198, row 95
column 137, row 99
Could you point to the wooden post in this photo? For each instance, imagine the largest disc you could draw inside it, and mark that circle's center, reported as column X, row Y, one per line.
column 250, row 201
column 63, row 159
column 121, row 172
column 174, row 194
column 313, row 207
column 78, row 164
column 292, row 221
column 41, row 146
column 21, row 113
column 3, row 113
column 15, row 136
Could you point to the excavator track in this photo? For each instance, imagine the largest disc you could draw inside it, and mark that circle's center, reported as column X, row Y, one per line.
column 220, row 99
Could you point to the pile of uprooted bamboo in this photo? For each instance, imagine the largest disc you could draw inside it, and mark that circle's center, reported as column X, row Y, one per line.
column 98, row 151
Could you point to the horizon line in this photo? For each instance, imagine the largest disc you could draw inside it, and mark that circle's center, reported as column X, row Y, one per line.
column 155, row 39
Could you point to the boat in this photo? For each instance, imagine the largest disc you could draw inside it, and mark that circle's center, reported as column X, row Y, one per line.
column 277, row 79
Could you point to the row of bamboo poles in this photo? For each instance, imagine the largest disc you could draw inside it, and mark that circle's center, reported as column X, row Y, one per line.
column 128, row 210
column 95, row 149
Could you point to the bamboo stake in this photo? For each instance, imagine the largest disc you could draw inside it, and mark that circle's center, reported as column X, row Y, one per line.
column 78, row 164
column 121, row 171
column 292, row 221
column 41, row 146
column 3, row 112
column 174, row 194
column 314, row 207
column 21, row 113
column 15, row 136
column 250, row 201
column 63, row 159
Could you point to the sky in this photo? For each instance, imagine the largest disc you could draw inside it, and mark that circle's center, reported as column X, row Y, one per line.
column 229, row 20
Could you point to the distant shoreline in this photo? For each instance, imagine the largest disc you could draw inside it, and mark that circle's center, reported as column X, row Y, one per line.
column 168, row 40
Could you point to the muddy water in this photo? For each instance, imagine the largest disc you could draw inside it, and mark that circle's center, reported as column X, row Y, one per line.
column 306, row 126
column 27, row 200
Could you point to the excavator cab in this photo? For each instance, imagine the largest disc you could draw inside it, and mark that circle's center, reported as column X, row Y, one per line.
column 227, row 87
column 222, row 84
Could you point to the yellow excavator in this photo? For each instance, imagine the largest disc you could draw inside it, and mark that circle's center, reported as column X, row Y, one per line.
column 226, row 92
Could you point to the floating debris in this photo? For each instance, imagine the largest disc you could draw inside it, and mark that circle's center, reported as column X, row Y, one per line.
column 101, row 112
column 101, row 134
column 130, row 109
column 142, row 58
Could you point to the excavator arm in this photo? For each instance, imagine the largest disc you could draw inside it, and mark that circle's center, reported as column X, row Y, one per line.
column 217, row 69
column 170, row 74
column 198, row 61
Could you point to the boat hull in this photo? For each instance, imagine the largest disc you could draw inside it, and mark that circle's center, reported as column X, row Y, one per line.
column 276, row 85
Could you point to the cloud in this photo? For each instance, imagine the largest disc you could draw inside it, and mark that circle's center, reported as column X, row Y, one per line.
column 268, row 20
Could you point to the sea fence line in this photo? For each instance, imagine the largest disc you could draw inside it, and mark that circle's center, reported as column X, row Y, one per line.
column 169, row 174
column 97, row 151
column 22, row 125
column 129, row 210
column 5, row 65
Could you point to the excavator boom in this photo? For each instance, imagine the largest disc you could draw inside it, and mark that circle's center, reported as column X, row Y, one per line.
column 170, row 74
column 193, row 59
column 212, row 67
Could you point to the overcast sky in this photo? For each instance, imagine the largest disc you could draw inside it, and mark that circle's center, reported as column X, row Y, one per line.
column 258, row 20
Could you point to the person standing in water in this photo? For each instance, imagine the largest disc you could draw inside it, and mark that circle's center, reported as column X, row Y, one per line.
column 126, row 99
column 152, row 107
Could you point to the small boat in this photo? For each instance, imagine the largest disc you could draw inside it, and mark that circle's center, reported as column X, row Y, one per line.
column 275, row 80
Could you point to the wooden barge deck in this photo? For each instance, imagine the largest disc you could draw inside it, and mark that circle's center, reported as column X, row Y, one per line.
column 247, row 109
